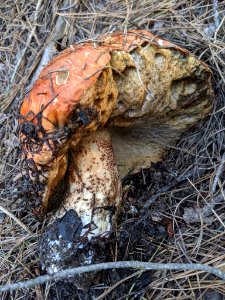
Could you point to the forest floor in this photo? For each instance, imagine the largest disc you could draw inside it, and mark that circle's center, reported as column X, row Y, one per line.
column 185, row 220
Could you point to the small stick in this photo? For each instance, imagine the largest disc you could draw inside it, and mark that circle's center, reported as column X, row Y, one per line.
column 3, row 209
column 152, row 199
column 217, row 175
column 27, row 44
column 112, row 265
column 58, row 32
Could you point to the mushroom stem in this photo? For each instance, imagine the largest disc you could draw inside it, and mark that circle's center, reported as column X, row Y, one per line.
column 90, row 205
column 94, row 190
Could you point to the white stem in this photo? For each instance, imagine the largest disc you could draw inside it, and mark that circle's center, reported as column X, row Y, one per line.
column 94, row 184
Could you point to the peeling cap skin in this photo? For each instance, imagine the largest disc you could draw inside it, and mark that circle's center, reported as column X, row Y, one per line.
column 118, row 41
column 133, row 95
column 162, row 91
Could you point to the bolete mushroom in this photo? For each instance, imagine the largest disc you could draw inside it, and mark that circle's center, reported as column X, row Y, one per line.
column 98, row 111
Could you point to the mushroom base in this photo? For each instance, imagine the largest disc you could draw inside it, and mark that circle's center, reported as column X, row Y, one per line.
column 62, row 246
column 86, row 217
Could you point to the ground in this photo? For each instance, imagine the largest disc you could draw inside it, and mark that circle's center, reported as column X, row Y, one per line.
column 173, row 211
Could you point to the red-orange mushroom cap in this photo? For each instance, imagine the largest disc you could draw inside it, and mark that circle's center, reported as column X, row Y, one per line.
column 59, row 89
column 63, row 83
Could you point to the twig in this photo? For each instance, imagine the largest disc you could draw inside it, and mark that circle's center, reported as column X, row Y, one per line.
column 166, row 188
column 218, row 28
column 217, row 175
column 216, row 13
column 27, row 44
column 3, row 209
column 103, row 68
column 193, row 215
column 109, row 290
column 57, row 33
column 112, row 265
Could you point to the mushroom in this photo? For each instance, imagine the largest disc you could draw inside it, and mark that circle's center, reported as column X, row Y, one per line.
column 98, row 111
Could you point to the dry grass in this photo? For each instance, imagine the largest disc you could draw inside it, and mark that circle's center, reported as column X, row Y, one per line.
column 27, row 27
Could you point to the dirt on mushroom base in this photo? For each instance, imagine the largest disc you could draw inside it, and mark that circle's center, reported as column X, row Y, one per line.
column 197, row 155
